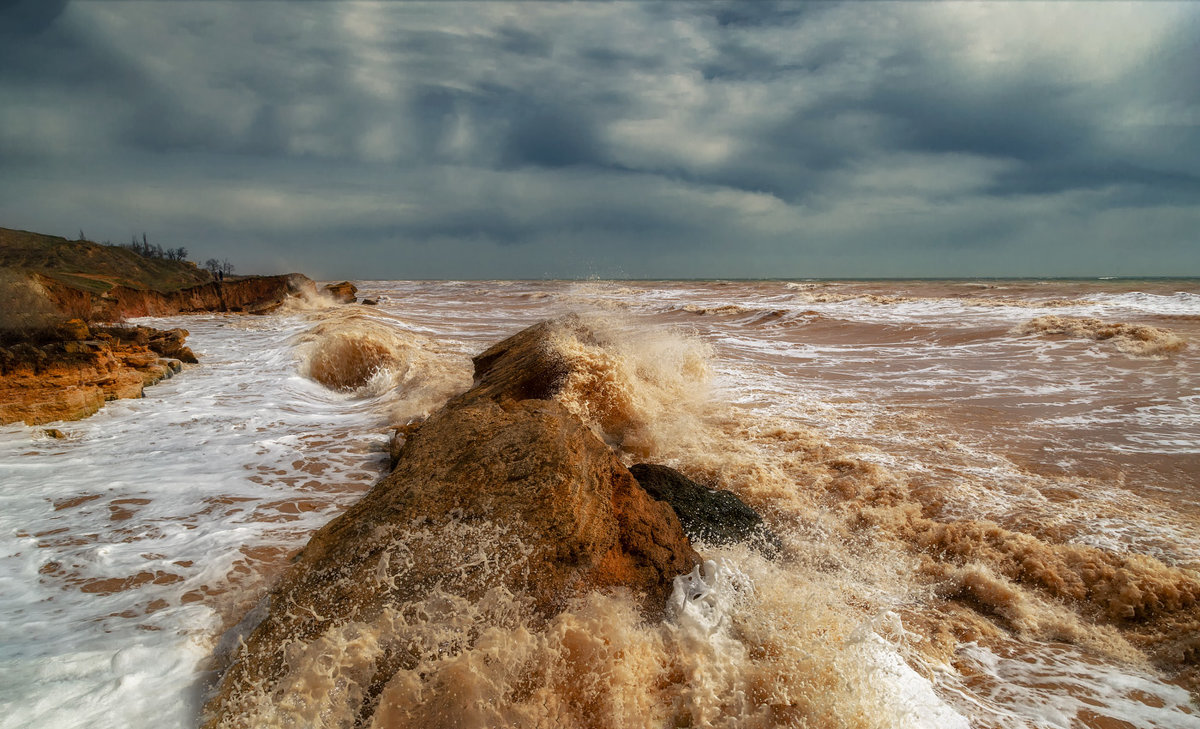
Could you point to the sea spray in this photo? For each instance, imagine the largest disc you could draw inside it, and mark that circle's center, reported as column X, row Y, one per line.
column 636, row 387
column 799, row 478
column 714, row 688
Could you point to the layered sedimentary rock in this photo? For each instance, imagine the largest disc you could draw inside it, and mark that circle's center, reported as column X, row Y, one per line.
column 75, row 370
column 251, row 294
column 502, row 492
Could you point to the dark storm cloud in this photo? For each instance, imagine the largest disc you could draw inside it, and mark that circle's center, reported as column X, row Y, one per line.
column 1027, row 120
column 552, row 137
column 687, row 138
column 28, row 17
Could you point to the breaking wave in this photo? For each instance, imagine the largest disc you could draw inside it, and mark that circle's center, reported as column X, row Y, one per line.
column 636, row 387
column 734, row 648
column 362, row 357
column 833, row 297
column 1135, row 339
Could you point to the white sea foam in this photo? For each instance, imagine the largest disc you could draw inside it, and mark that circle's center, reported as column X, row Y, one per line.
column 1059, row 687
column 912, row 696
column 1181, row 303
column 700, row 606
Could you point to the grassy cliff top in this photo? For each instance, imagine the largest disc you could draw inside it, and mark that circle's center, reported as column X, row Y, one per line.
column 93, row 267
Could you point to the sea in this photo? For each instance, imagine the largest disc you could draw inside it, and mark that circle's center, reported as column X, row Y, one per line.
column 988, row 495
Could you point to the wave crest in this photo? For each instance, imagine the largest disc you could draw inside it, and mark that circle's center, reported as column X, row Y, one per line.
column 1136, row 339
column 636, row 387
column 360, row 357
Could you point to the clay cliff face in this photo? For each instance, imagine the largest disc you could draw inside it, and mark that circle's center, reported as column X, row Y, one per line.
column 253, row 294
column 73, row 375
column 503, row 489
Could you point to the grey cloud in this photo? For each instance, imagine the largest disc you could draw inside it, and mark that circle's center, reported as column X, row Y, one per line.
column 28, row 17
column 665, row 132
column 552, row 137
column 522, row 42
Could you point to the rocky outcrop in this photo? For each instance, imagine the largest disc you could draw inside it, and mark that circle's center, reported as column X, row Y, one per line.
column 250, row 294
column 713, row 516
column 524, row 366
column 69, row 374
column 343, row 293
column 503, row 489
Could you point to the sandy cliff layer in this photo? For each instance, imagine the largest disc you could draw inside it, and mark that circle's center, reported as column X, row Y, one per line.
column 73, row 374
column 252, row 294
column 502, row 495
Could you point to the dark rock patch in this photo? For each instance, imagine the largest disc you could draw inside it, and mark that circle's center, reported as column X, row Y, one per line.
column 709, row 515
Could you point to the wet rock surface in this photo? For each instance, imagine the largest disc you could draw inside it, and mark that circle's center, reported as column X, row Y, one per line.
column 502, row 489
column 713, row 516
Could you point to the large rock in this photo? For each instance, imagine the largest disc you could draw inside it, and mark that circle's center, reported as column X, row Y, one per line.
column 524, row 366
column 70, row 378
column 714, row 516
column 74, row 330
column 501, row 489
column 343, row 293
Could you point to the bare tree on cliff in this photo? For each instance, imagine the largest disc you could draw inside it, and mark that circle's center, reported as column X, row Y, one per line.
column 213, row 266
column 226, row 267
column 145, row 250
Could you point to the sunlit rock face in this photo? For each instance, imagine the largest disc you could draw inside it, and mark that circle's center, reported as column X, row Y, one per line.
column 249, row 294
column 69, row 373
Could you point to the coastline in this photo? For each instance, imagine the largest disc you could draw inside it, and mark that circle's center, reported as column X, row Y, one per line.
column 53, row 367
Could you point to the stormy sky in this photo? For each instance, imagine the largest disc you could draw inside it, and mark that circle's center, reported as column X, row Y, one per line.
column 611, row 139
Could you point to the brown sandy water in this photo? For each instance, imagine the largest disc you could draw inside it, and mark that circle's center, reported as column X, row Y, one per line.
column 987, row 492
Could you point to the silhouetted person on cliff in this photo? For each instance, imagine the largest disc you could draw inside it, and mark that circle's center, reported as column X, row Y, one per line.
column 220, row 275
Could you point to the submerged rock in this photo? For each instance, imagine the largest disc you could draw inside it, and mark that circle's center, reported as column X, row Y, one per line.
column 343, row 293
column 502, row 490
column 714, row 516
